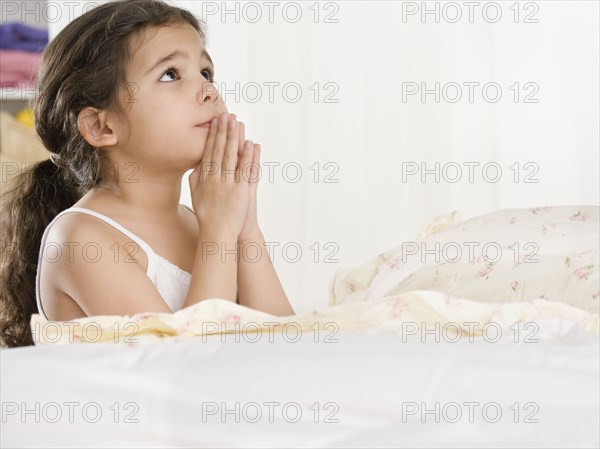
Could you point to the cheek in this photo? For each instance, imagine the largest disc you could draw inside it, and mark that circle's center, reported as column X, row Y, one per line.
column 162, row 130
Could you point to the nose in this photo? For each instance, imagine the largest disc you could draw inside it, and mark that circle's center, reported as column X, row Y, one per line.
column 209, row 92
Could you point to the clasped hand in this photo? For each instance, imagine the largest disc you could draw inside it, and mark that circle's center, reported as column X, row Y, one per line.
column 223, row 185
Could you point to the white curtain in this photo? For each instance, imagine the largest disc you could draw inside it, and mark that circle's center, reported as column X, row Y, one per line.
column 370, row 127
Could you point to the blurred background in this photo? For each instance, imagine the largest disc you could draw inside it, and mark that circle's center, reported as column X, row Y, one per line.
column 376, row 117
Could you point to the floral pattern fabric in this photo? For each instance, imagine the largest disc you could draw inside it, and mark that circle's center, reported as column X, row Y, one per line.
column 513, row 255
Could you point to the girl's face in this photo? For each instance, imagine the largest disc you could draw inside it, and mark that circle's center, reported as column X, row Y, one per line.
column 171, row 92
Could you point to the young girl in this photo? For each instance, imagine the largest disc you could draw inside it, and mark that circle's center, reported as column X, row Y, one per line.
column 127, row 105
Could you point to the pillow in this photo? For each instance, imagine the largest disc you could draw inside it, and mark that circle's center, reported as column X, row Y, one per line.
column 350, row 285
column 512, row 255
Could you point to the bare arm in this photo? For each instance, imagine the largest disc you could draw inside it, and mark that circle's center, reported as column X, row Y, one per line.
column 215, row 269
column 259, row 286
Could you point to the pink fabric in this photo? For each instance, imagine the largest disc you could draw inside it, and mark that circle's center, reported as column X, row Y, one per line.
column 19, row 68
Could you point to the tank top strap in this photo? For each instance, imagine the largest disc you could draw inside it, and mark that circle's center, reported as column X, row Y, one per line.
column 150, row 255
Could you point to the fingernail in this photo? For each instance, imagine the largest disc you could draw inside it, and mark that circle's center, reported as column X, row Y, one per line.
column 214, row 122
column 232, row 124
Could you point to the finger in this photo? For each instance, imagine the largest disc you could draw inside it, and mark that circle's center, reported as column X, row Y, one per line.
column 257, row 154
column 210, row 141
column 220, row 141
column 230, row 158
column 255, row 164
column 244, row 167
column 242, row 133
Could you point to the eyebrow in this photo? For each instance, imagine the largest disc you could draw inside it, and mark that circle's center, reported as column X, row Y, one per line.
column 177, row 54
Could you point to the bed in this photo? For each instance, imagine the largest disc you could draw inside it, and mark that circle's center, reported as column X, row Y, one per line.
column 414, row 350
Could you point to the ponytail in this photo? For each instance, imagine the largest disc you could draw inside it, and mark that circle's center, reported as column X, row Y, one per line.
column 36, row 196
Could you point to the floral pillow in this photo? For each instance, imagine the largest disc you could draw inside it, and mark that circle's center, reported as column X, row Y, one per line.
column 550, row 253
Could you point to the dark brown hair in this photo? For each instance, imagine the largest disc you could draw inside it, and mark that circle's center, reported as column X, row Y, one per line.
column 84, row 65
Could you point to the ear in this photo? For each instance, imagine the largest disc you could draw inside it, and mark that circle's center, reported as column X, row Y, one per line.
column 94, row 128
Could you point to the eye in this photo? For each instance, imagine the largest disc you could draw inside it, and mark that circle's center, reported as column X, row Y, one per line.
column 174, row 70
column 210, row 74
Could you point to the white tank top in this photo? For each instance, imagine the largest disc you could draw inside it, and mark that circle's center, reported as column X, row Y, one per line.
column 171, row 281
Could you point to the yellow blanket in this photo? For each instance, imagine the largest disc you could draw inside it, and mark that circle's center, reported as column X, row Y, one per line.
column 427, row 315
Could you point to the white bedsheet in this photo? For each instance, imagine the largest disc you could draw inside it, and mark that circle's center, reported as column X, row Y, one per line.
column 369, row 383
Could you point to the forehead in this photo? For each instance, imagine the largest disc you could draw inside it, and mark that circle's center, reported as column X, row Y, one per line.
column 153, row 43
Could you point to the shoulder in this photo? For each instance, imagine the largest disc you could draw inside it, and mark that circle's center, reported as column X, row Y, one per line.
column 75, row 226
column 81, row 236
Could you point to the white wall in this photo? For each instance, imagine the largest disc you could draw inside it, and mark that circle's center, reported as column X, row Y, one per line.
column 370, row 132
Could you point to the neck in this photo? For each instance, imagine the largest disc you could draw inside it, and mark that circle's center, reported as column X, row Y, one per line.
column 156, row 196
